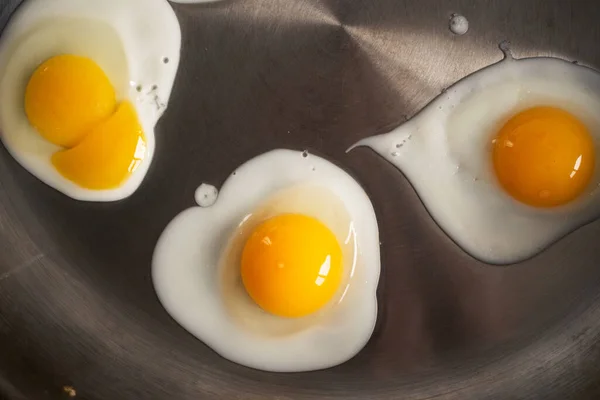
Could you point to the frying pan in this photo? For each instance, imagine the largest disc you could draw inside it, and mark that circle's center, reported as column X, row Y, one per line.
column 78, row 313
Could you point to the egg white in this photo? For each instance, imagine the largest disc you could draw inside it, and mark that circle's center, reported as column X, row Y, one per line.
column 195, row 268
column 445, row 152
column 137, row 44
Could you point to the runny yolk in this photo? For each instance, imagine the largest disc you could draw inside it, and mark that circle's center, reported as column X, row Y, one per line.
column 66, row 97
column 544, row 157
column 71, row 102
column 108, row 153
column 291, row 265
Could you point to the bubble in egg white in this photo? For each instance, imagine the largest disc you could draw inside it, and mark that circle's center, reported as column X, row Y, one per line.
column 196, row 265
column 445, row 152
column 206, row 195
column 459, row 24
column 129, row 40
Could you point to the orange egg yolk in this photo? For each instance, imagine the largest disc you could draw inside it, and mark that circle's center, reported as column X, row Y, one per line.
column 71, row 103
column 291, row 265
column 67, row 96
column 107, row 154
column 544, row 157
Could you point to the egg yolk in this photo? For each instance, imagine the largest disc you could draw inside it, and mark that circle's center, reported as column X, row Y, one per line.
column 108, row 153
column 544, row 157
column 291, row 265
column 67, row 96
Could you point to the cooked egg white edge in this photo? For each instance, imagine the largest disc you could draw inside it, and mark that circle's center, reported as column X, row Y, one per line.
column 181, row 260
column 142, row 34
column 451, row 170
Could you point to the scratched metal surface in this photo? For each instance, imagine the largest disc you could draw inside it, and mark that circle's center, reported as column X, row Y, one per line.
column 77, row 306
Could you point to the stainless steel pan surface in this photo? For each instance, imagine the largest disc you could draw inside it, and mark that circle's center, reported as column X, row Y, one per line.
column 78, row 313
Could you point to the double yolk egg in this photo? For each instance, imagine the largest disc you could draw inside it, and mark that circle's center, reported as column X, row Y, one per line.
column 82, row 86
column 71, row 103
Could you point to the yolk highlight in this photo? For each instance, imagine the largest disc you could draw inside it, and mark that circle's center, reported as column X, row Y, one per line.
column 544, row 157
column 291, row 265
column 66, row 97
column 108, row 153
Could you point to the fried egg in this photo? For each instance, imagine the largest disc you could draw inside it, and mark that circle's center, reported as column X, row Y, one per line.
column 504, row 160
column 82, row 85
column 280, row 273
